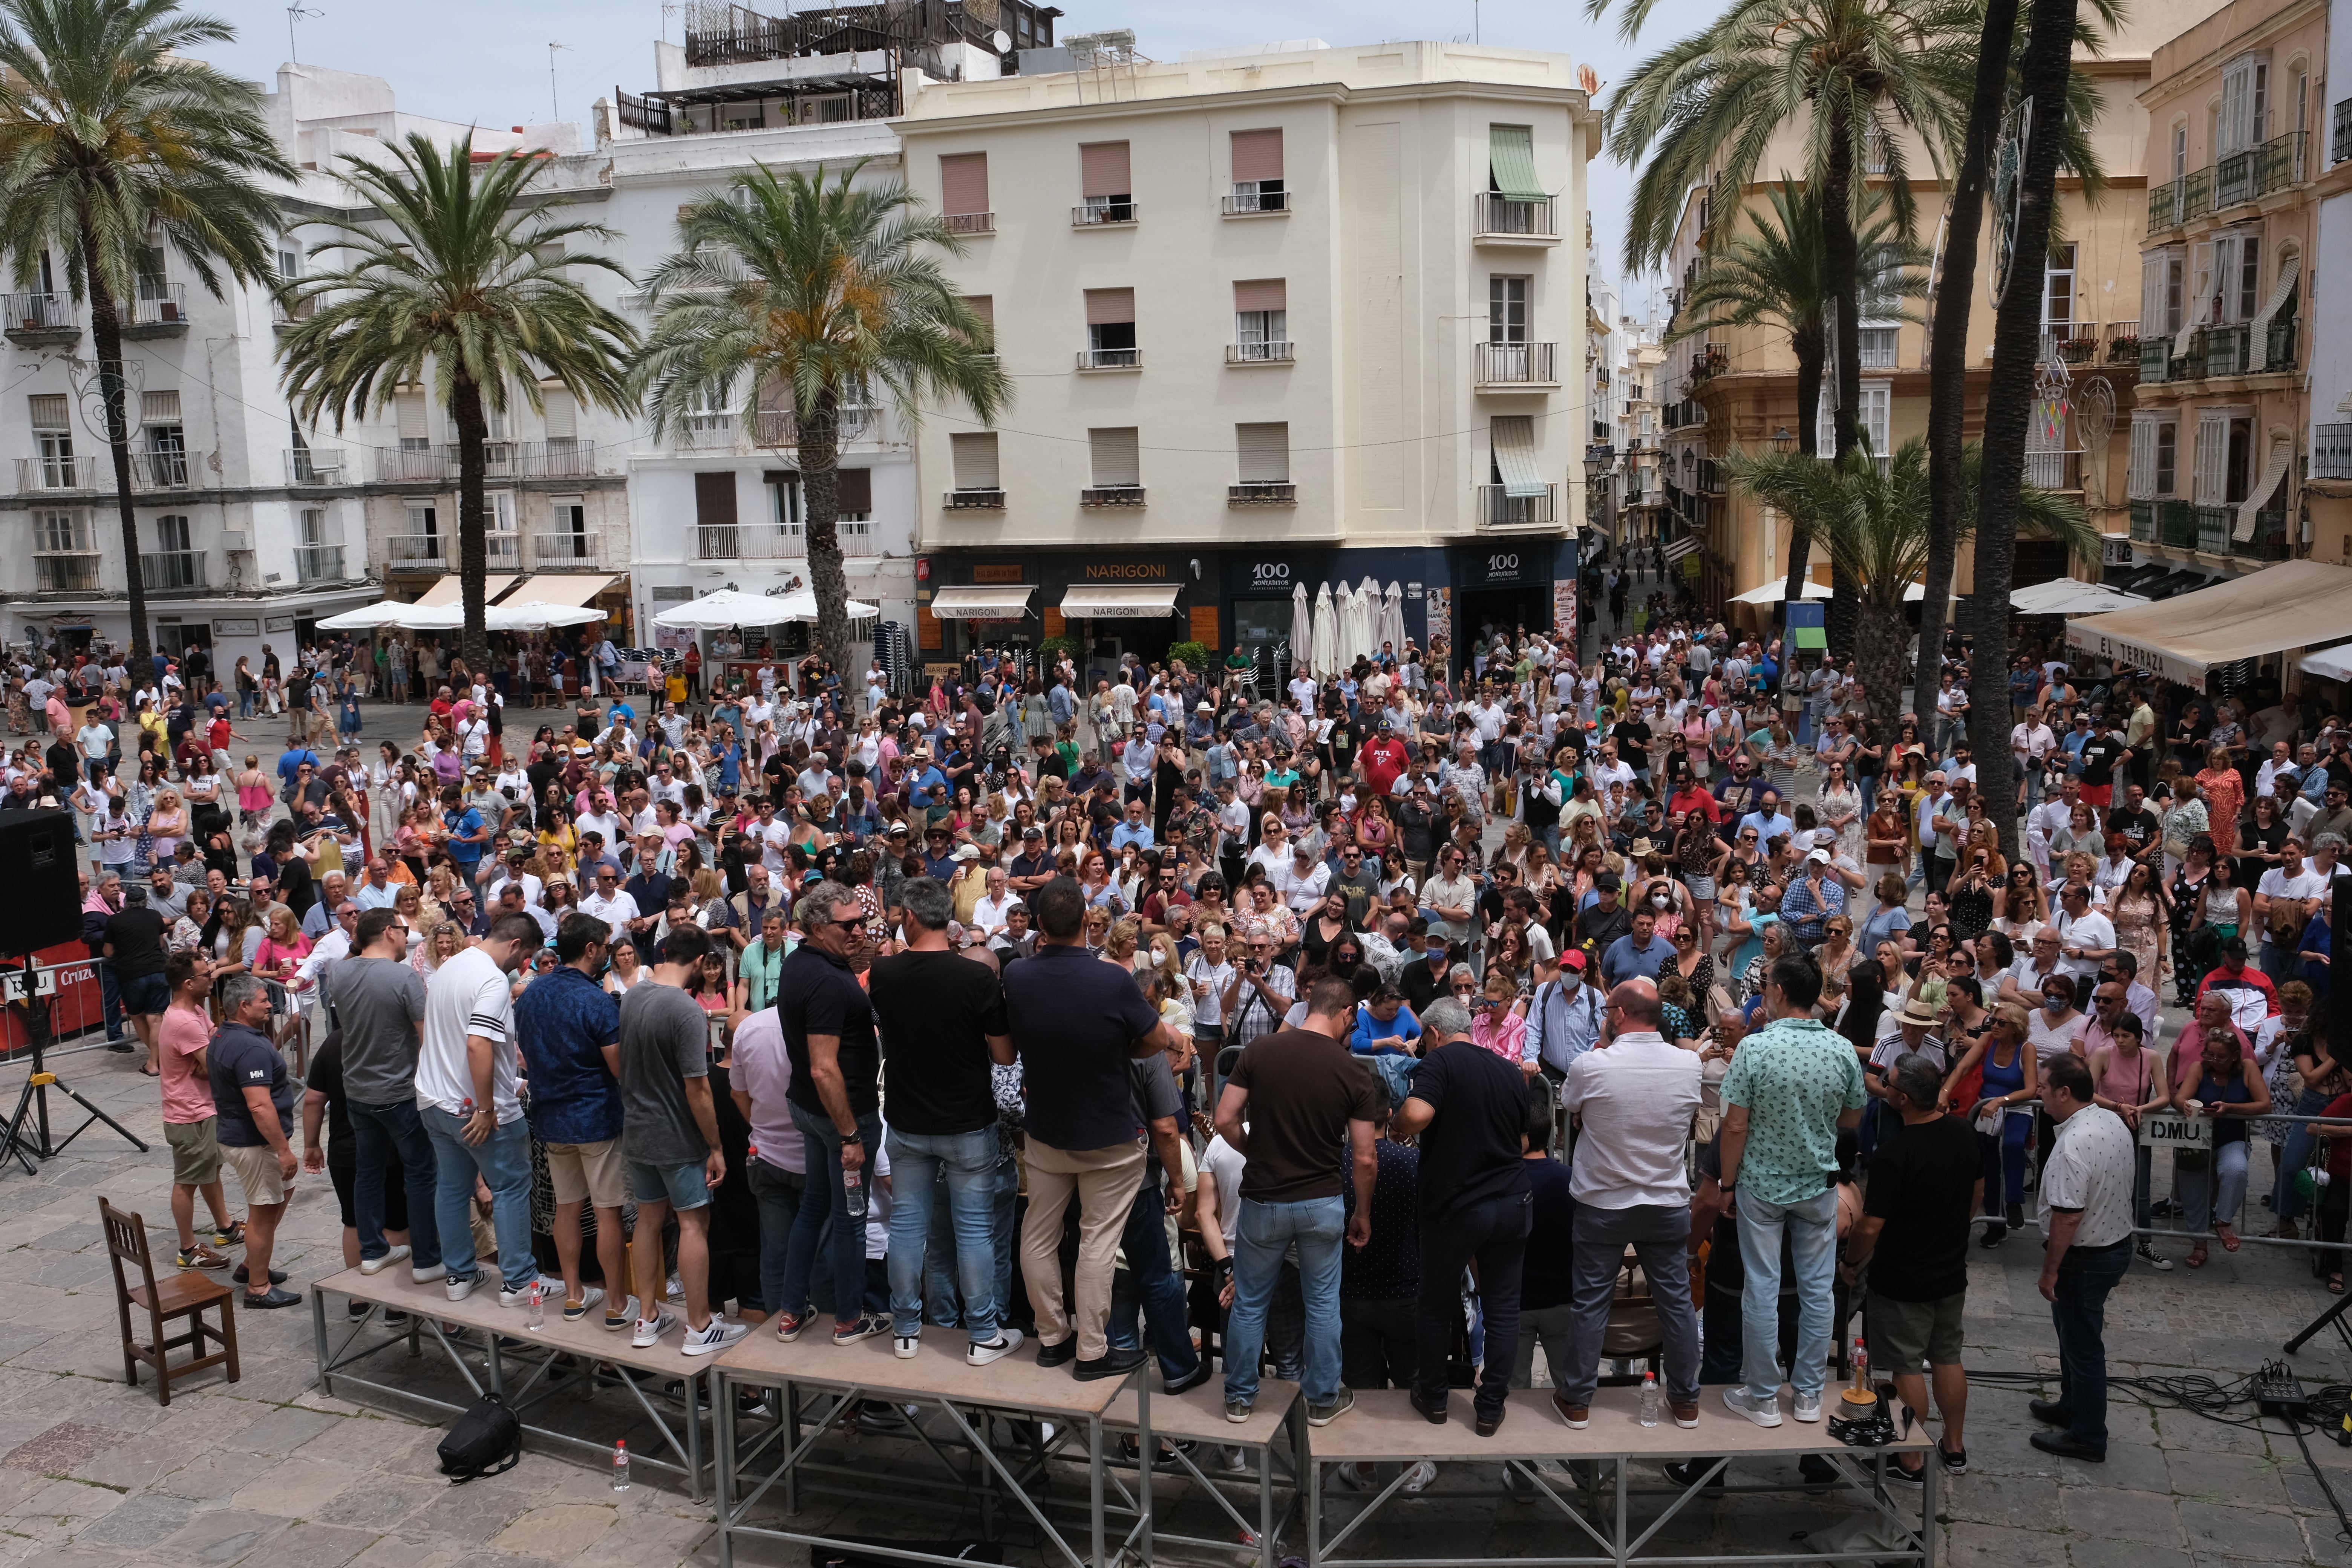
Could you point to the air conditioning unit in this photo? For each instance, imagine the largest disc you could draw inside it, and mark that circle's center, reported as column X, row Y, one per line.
column 236, row 540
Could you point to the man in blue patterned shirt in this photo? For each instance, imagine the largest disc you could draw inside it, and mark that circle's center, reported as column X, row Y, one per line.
column 569, row 1030
column 1811, row 898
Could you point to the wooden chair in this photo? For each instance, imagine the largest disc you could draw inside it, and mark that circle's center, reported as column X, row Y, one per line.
column 187, row 1294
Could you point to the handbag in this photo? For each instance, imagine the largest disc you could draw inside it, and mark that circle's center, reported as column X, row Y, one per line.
column 484, row 1440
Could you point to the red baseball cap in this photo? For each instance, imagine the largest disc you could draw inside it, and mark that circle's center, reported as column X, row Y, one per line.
column 1573, row 959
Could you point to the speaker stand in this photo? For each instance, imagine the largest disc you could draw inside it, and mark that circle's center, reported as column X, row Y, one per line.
column 28, row 1138
column 2331, row 1319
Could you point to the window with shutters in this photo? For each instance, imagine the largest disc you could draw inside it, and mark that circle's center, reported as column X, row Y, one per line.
column 2161, row 290
column 1873, row 420
column 1507, row 309
column 561, row 416
column 853, row 497
column 1258, row 184
column 2140, row 482
column 2058, row 290
column 985, row 307
column 60, row 533
column 1110, row 329
column 963, row 193
column 415, row 431
column 785, row 500
column 1262, row 465
column 53, row 442
column 716, row 538
column 978, row 479
column 2245, row 104
column 1117, row 467
column 2167, row 459
column 1261, row 321
column 2213, row 474
column 1877, row 347
column 1104, row 185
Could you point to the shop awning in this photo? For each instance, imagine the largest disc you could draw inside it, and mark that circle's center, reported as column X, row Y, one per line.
column 995, row 604
column 451, row 589
column 1514, row 456
column 1511, row 157
column 1679, row 548
column 2296, row 603
column 2328, row 663
column 567, row 588
column 1132, row 602
column 2071, row 596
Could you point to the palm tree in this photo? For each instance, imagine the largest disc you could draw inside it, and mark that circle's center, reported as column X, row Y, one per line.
column 454, row 280
column 824, row 293
column 1877, row 526
column 1776, row 273
column 1948, row 358
column 113, row 141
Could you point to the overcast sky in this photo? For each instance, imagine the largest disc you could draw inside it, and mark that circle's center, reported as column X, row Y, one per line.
column 487, row 63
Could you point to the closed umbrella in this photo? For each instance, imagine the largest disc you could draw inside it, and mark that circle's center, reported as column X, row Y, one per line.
column 1326, row 642
column 1302, row 628
column 1367, row 599
column 1392, row 620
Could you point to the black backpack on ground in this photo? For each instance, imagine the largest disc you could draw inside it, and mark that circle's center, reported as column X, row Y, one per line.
column 484, row 1440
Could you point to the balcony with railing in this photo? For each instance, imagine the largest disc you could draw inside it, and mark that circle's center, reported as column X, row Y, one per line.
column 2340, row 140
column 1110, row 359
column 772, row 542
column 47, row 473
column 2256, row 172
column 2170, row 206
column 151, row 471
column 65, row 570
column 1513, row 366
column 712, row 432
column 1262, row 492
column 1708, row 360
column 407, row 465
column 2221, row 350
column 1269, row 350
column 1257, row 202
column 2176, row 525
column 1499, row 511
column 2331, row 447
column 2213, row 523
column 778, row 428
column 39, row 319
column 1098, row 214
column 566, row 547
column 974, row 498
column 2143, row 522
column 159, row 311
column 167, row 468
column 314, row 465
column 2074, row 342
column 970, row 223
column 2055, row 470
column 2156, row 366
column 172, row 570
column 1096, row 497
column 1498, row 219
column 318, row 563
column 2279, row 346
column 2270, row 541
column 2123, row 343
column 283, row 315
column 438, row 551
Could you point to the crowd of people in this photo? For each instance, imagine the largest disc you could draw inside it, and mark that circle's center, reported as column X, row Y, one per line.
column 1439, row 970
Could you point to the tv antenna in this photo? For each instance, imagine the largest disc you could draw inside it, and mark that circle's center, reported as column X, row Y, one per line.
column 554, row 103
column 295, row 13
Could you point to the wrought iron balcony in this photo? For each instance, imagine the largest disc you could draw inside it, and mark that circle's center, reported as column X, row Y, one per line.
column 1096, row 213
column 46, row 473
column 315, row 466
column 1513, row 366
column 2270, row 541
column 161, row 311
column 2213, row 525
column 2331, row 447
column 976, row 498
column 1098, row 497
column 1110, row 359
column 1251, row 204
column 1262, row 492
column 65, row 571
column 1499, row 511
column 972, row 223
column 2256, row 172
column 2055, row 470
column 407, row 465
column 2176, row 525
column 565, row 546
column 2123, row 342
column 39, row 319
column 2143, row 522
column 1498, row 219
column 1274, row 351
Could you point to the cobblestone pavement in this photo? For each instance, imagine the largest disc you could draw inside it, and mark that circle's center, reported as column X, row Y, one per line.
column 267, row 1470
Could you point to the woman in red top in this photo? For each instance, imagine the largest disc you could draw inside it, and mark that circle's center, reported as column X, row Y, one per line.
column 2225, row 797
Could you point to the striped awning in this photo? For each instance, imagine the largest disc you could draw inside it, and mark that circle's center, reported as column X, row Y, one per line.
column 1511, row 154
column 989, row 604
column 1514, row 456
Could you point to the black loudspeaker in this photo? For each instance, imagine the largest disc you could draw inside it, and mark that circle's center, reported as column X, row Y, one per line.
column 40, row 895
column 2336, row 1011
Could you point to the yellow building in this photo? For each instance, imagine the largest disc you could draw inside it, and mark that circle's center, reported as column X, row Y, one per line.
column 1734, row 388
column 2219, row 429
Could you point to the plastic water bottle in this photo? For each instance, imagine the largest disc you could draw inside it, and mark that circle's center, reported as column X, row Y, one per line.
column 621, row 1465
column 538, row 1304
column 1651, row 1399
column 853, row 1194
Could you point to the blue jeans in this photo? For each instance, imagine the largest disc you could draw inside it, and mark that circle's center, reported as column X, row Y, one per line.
column 942, row 1302
column 245, row 704
column 503, row 1161
column 1265, row 1232
column 967, row 1161
column 1149, row 1282
column 1811, row 1227
column 778, row 1193
column 821, row 1200
column 111, row 998
column 2085, row 1275
column 378, row 1133
column 2286, row 1201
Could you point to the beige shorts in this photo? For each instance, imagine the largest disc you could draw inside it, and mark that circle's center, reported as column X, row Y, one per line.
column 256, row 1173
column 592, row 1172
column 196, row 1151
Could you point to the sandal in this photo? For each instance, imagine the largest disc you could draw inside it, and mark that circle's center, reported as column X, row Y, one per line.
column 2196, row 1256
column 2335, row 1284
column 151, row 1072
column 2229, row 1238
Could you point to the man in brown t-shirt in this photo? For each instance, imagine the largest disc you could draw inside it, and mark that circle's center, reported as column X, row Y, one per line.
column 1305, row 1093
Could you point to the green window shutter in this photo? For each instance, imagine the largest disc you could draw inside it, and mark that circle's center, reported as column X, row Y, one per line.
column 1511, row 151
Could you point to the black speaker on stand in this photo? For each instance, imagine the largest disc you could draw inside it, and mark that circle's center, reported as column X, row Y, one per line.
column 2338, row 1011
column 41, row 907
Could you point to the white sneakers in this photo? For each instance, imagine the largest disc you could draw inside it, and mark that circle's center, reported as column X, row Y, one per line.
column 906, row 1347
column 714, row 1336
column 1006, row 1342
column 648, row 1333
column 516, row 1297
column 426, row 1273
column 378, row 1265
column 574, row 1311
column 1809, row 1407
column 459, row 1289
column 1763, row 1412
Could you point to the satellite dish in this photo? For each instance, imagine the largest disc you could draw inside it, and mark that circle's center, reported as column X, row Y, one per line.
column 1002, row 40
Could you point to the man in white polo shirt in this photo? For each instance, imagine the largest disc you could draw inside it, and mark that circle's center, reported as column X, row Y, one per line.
column 2086, row 1216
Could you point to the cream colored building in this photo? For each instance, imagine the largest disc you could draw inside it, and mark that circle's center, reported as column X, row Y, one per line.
column 1288, row 317
column 1734, row 388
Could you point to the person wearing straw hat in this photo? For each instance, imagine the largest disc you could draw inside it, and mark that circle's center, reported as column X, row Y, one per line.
column 1915, row 1030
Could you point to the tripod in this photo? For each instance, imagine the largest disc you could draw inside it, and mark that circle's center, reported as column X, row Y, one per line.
column 28, row 1139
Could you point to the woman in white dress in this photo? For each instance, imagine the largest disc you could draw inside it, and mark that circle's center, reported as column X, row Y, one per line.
column 1839, row 809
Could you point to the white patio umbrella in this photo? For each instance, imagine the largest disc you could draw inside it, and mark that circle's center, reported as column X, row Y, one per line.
column 722, row 608
column 1325, row 643
column 537, row 615
column 429, row 618
column 366, row 618
column 801, row 607
column 1391, row 628
column 1302, row 628
column 1368, row 615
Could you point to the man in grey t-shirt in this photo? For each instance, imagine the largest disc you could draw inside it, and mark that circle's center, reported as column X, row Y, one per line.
column 378, row 1002
column 669, row 1135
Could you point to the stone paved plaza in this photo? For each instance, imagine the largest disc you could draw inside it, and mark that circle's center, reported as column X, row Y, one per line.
column 268, row 1471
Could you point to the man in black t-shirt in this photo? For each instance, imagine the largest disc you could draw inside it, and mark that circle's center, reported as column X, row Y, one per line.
column 1606, row 919
column 2137, row 823
column 134, row 947
column 943, row 1022
column 1914, row 1234
column 828, row 1026
column 2100, row 754
column 1470, row 1108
